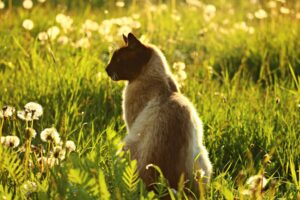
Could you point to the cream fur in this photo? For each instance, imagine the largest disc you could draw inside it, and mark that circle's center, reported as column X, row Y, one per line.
column 159, row 119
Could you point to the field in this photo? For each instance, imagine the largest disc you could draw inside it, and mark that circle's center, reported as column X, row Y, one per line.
column 237, row 61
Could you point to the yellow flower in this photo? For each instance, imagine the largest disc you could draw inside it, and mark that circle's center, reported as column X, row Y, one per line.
column 28, row 24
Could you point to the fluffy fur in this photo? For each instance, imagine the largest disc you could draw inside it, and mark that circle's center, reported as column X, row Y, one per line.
column 163, row 126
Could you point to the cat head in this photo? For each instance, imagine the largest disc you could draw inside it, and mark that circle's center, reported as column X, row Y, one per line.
column 128, row 61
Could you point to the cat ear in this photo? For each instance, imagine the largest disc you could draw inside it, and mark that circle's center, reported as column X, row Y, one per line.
column 133, row 42
column 125, row 39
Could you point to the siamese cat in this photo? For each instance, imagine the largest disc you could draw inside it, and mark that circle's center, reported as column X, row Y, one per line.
column 163, row 126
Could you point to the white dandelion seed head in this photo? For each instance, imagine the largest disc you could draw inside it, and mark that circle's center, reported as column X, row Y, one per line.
column 256, row 180
column 2, row 5
column 26, row 116
column 27, row 4
column 34, row 108
column 70, row 146
column 90, row 25
column 179, row 66
column 63, row 40
column 59, row 152
column 120, row 4
column 2, row 140
column 29, row 187
column 28, row 24
column 30, row 132
column 272, row 4
column 7, row 111
column 48, row 162
column 12, row 141
column 64, row 21
column 261, row 14
column 82, row 43
column 284, row 10
column 43, row 36
column 209, row 12
column 53, row 32
column 50, row 135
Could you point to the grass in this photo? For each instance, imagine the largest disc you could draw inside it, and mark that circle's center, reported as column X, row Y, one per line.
column 245, row 86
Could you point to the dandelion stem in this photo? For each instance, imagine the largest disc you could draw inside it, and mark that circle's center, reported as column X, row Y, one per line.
column 1, row 126
column 27, row 154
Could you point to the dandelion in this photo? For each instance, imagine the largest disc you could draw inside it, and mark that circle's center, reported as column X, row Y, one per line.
column 2, row 5
column 209, row 12
column 284, row 10
column 261, row 14
column 29, row 187
column 120, row 4
column 90, row 25
column 2, row 140
column 70, row 146
column 28, row 24
column 50, row 135
column 30, row 133
column 43, row 36
column 63, row 40
column 272, row 4
column 250, row 16
column 11, row 141
column 195, row 3
column 53, row 32
column 82, row 43
column 27, row 4
column 64, row 21
column 7, row 111
column 34, row 108
column 58, row 152
column 255, row 183
column 48, row 162
column 179, row 66
column 26, row 116
column 199, row 174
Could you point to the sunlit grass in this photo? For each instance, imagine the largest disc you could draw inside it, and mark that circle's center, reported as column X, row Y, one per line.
column 241, row 72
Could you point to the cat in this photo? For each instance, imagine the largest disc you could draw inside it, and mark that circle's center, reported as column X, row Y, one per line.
column 163, row 126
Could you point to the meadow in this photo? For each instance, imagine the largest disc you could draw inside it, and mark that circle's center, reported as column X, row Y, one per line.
column 237, row 61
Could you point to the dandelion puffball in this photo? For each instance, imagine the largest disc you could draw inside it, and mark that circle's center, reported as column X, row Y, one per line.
column 11, row 141
column 261, row 14
column 70, row 146
column 27, row 4
column 7, row 111
column 50, row 135
column 43, row 36
column 35, row 108
column 2, row 5
column 53, row 32
column 28, row 24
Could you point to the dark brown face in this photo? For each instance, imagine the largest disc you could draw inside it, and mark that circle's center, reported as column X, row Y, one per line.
column 128, row 61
